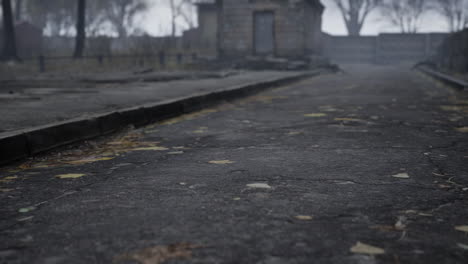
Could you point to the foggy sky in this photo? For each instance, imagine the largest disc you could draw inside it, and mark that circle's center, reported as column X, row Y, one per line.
column 157, row 22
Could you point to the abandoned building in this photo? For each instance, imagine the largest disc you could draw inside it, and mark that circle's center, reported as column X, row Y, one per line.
column 28, row 40
column 280, row 28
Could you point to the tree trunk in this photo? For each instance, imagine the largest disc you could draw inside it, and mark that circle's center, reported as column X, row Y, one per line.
column 18, row 10
column 80, row 29
column 9, row 37
column 353, row 26
column 173, row 27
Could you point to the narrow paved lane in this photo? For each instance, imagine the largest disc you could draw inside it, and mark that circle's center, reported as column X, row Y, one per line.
column 370, row 166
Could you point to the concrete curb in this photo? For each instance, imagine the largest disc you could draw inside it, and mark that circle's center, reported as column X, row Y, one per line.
column 29, row 142
column 445, row 78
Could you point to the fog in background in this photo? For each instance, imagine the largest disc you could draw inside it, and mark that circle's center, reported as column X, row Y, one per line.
column 157, row 22
column 375, row 23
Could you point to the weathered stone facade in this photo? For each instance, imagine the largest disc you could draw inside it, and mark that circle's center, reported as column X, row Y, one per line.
column 295, row 32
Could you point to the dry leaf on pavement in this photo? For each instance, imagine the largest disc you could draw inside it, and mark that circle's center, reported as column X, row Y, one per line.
column 347, row 119
column 159, row 254
column 462, row 129
column 304, row 217
column 361, row 248
column 220, row 162
column 27, row 209
column 462, row 228
column 315, row 115
column 70, row 176
column 401, row 176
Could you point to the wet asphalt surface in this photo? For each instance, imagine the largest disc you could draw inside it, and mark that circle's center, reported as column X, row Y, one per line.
column 298, row 174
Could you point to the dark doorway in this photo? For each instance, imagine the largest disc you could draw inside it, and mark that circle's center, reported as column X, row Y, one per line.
column 264, row 34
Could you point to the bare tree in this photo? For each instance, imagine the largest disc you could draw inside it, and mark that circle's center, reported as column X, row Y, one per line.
column 121, row 14
column 406, row 14
column 56, row 17
column 18, row 10
column 355, row 12
column 180, row 9
column 9, row 46
column 187, row 12
column 80, row 29
column 454, row 11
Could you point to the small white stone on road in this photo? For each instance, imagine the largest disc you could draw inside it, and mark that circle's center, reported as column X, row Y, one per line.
column 401, row 176
column 259, row 186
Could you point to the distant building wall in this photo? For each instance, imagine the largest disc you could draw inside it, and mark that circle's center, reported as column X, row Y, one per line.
column 208, row 29
column 296, row 26
column 383, row 49
column 29, row 41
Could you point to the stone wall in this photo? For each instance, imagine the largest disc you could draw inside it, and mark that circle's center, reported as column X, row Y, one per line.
column 107, row 46
column 28, row 40
column 206, row 37
column 453, row 53
column 383, row 49
column 296, row 27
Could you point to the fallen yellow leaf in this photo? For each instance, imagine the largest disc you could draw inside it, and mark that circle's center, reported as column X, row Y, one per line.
column 91, row 160
column 315, row 115
column 304, row 217
column 201, row 130
column 385, row 228
column 6, row 190
column 150, row 148
column 158, row 254
column 187, row 117
column 401, row 176
column 361, row 248
column 70, row 176
column 451, row 108
column 348, row 119
column 8, row 179
column 27, row 209
column 267, row 98
column 462, row 129
column 462, row 228
column 220, row 162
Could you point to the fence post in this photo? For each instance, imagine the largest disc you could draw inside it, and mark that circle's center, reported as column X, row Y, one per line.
column 179, row 58
column 162, row 59
column 427, row 45
column 100, row 60
column 41, row 63
column 377, row 50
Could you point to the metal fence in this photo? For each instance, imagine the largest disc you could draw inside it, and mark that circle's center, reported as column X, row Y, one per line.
column 101, row 63
column 383, row 49
column 453, row 53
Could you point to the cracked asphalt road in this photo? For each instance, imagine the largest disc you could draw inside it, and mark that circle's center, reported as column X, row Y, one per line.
column 370, row 166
